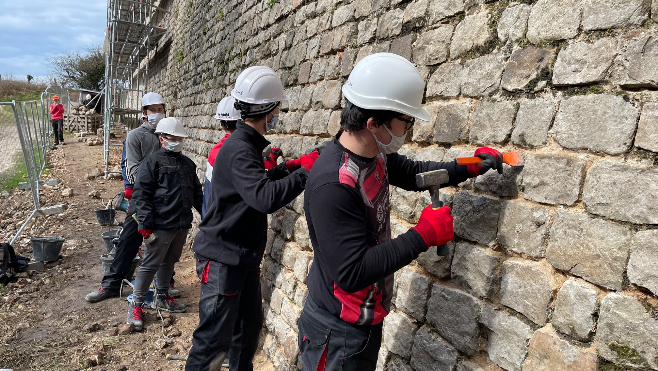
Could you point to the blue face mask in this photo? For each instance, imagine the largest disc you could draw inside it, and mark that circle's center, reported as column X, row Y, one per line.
column 154, row 118
column 174, row 146
column 272, row 123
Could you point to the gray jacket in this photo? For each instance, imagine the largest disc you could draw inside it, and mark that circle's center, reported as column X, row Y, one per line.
column 140, row 143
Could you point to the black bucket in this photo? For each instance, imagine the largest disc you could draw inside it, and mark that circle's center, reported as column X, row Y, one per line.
column 105, row 216
column 47, row 248
column 108, row 237
column 107, row 259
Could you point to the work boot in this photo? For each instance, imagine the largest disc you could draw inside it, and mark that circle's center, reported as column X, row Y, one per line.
column 101, row 294
column 136, row 316
column 168, row 304
column 173, row 292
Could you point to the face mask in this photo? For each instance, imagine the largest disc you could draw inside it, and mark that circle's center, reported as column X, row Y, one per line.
column 395, row 144
column 174, row 146
column 154, row 118
column 272, row 124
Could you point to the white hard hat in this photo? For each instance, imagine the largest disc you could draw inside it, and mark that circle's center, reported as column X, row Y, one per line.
column 152, row 98
column 386, row 81
column 259, row 85
column 88, row 96
column 226, row 110
column 171, row 126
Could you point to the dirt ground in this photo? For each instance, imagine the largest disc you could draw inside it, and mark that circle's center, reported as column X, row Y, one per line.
column 45, row 323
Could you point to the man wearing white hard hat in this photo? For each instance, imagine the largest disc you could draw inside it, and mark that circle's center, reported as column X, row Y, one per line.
column 231, row 240
column 166, row 190
column 347, row 209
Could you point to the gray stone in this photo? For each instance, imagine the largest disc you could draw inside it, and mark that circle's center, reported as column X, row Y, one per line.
column 343, row 14
column 455, row 316
column 289, row 256
column 402, row 46
column 332, row 71
column 413, row 290
column 432, row 46
column 575, row 307
column 403, row 204
column 626, row 333
column 472, row 32
column 437, row 265
column 622, row 192
column 554, row 20
column 367, row 31
column 445, row 81
column 302, row 264
column 643, row 264
column 469, row 366
column 548, row 352
column 398, row 332
column 654, row 10
column 492, row 122
column 304, row 72
column 291, row 122
column 332, row 94
column 647, row 128
column 475, row 269
column 317, row 70
column 390, row 24
column 506, row 184
column 290, row 312
column 507, row 339
column 526, row 287
column 476, row 217
column 583, row 63
column 639, row 62
column 533, row 120
column 524, row 228
column 288, row 284
column 347, row 63
column 415, row 12
column 431, row 353
column 513, row 22
column 397, row 365
column 604, row 14
column 524, row 66
column 444, row 8
column 451, row 123
column 481, row 76
column 308, row 120
column 553, row 179
column 301, row 293
column 276, row 301
column 593, row 249
column 362, row 8
column 424, row 130
column 305, row 97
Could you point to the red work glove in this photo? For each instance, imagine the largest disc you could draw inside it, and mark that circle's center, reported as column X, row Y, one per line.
column 307, row 161
column 128, row 193
column 292, row 165
column 270, row 162
column 146, row 233
column 435, row 226
column 492, row 159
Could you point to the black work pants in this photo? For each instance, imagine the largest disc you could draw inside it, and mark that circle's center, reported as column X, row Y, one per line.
column 230, row 317
column 129, row 242
column 58, row 130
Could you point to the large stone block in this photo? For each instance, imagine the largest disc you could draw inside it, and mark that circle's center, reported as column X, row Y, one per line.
column 471, row 32
column 398, row 333
column 507, row 339
column 524, row 66
column 451, row 123
column 476, row 217
column 523, row 228
column 554, row 20
column 513, row 22
column 432, row 46
column 343, row 14
column 475, row 269
column 506, row 184
column 441, row 9
column 622, row 192
column 367, row 29
column 403, row 204
column 527, row 287
column 431, row 353
column 396, row 364
column 402, row 46
column 647, row 129
column 362, row 8
column 583, row 63
column 492, row 122
column 424, row 130
column 654, row 10
column 549, row 352
column 643, row 264
column 413, row 290
column 301, row 233
column 334, row 122
column 332, row 94
column 437, row 265
column 481, row 76
column 626, row 333
column 533, row 120
column 639, row 62
column 593, row 249
column 390, row 24
column 446, row 80
column 414, row 13
column 604, row 14
column 302, row 265
column 455, row 316
column 575, row 307
column 553, row 179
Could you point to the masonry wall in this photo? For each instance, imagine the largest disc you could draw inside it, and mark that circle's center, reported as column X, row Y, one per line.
column 554, row 265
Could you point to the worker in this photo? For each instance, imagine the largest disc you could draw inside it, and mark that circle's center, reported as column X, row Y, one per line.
column 57, row 120
column 231, row 240
column 347, row 208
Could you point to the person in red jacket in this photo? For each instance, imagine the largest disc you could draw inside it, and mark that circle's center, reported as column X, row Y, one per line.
column 57, row 119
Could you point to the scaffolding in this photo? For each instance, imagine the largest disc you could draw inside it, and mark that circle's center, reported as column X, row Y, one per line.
column 131, row 35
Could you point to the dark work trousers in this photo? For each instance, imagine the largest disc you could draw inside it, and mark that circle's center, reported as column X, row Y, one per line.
column 230, row 317
column 326, row 342
column 58, row 130
column 129, row 242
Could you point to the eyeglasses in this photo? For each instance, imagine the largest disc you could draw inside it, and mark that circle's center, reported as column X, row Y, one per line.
column 172, row 139
column 410, row 122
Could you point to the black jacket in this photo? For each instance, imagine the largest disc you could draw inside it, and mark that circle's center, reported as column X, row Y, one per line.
column 166, row 189
column 234, row 228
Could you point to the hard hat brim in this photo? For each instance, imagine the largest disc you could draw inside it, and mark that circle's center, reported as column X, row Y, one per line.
column 385, row 104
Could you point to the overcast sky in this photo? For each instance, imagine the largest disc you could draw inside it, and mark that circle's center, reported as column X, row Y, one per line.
column 33, row 30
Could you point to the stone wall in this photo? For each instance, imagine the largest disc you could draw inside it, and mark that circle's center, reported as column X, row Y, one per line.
column 554, row 265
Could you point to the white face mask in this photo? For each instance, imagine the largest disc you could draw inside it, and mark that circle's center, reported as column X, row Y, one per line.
column 154, row 118
column 174, row 146
column 272, row 124
column 395, row 144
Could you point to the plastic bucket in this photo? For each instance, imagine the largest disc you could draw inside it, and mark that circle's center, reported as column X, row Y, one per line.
column 107, row 259
column 108, row 237
column 47, row 248
column 105, row 216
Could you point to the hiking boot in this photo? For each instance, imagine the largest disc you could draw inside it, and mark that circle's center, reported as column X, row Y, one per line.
column 168, row 304
column 101, row 294
column 174, row 292
column 136, row 316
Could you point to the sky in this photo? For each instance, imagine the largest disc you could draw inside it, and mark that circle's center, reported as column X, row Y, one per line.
column 31, row 31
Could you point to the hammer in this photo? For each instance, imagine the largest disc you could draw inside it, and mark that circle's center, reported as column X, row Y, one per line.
column 432, row 181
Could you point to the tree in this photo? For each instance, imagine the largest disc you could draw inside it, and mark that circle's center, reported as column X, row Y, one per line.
column 81, row 70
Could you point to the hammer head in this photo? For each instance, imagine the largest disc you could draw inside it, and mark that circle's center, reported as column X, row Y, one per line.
column 432, row 178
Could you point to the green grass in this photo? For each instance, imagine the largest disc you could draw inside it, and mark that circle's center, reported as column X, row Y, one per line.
column 17, row 174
